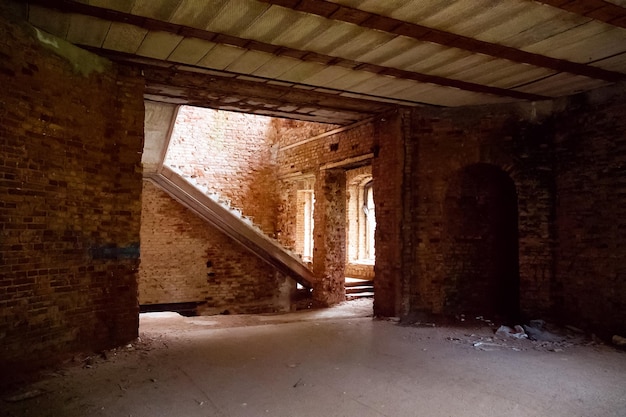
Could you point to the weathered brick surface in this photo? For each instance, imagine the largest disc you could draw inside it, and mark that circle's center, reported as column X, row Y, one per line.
column 184, row 259
column 291, row 132
column 289, row 232
column 388, row 170
column 71, row 136
column 307, row 157
column 590, row 282
column 329, row 251
column 233, row 154
column 440, row 145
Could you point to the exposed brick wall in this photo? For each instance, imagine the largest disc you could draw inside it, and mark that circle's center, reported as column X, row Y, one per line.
column 290, row 232
column 290, row 132
column 440, row 144
column 71, row 136
column 184, row 259
column 233, row 154
column 388, row 169
column 307, row 157
column 591, row 212
column 356, row 223
column 329, row 251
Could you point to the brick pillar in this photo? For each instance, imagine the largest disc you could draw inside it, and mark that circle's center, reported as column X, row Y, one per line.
column 329, row 253
column 392, row 232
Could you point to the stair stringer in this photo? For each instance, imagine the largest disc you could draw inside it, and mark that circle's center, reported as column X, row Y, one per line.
column 232, row 225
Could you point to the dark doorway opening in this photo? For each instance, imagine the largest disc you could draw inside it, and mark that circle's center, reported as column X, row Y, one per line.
column 481, row 260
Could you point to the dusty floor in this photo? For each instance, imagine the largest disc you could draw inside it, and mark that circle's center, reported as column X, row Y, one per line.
column 337, row 362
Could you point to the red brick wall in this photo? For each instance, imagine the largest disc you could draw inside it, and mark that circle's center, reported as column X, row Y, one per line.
column 291, row 132
column 184, row 259
column 440, row 145
column 233, row 155
column 71, row 136
column 591, row 212
column 388, row 170
column 329, row 236
column 306, row 157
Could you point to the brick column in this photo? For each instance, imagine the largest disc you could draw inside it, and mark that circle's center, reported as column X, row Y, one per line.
column 329, row 253
column 392, row 232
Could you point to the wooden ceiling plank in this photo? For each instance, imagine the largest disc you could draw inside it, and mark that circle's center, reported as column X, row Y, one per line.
column 231, row 47
column 324, row 9
column 600, row 10
column 51, row 21
column 350, row 15
column 94, row 36
column 195, row 14
column 159, row 44
column 249, row 62
column 422, row 33
column 275, row 67
column 124, row 37
column 221, row 56
column 191, row 50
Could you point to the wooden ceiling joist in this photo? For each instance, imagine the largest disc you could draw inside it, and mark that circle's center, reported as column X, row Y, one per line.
column 600, row 10
column 69, row 6
column 335, row 11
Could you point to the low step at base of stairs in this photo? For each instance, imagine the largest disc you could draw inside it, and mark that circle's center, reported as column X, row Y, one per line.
column 359, row 288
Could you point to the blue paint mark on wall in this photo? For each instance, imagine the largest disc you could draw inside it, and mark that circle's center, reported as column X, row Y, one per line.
column 113, row 251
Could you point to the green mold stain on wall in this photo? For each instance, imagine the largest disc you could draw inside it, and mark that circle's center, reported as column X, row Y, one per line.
column 82, row 61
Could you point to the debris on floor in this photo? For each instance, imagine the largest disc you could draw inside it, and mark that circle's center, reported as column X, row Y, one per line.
column 26, row 395
column 536, row 331
column 535, row 335
column 619, row 341
column 516, row 332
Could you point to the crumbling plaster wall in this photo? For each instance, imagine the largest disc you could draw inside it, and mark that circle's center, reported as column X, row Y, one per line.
column 71, row 136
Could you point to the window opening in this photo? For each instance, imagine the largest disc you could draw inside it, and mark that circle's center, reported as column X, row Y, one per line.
column 370, row 221
column 305, row 224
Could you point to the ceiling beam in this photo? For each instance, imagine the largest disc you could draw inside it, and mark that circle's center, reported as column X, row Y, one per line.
column 69, row 6
column 601, row 10
column 369, row 20
column 184, row 84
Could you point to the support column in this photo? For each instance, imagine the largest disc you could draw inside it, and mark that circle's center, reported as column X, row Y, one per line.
column 393, row 233
column 329, row 253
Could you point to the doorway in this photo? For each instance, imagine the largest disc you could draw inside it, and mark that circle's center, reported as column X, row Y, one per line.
column 481, row 260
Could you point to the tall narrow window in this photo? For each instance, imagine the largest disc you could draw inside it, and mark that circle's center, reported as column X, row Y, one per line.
column 370, row 221
column 304, row 225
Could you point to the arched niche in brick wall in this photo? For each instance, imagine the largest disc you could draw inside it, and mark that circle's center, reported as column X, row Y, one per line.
column 480, row 243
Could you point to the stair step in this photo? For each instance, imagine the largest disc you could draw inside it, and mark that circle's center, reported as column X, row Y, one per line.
column 359, row 283
column 359, row 295
column 356, row 290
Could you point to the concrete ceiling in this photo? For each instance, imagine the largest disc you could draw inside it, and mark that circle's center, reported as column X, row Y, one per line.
column 340, row 61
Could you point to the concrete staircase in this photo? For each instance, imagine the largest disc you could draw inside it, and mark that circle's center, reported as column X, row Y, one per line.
column 359, row 288
column 241, row 229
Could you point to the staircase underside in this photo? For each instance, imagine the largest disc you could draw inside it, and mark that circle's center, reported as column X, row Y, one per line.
column 232, row 225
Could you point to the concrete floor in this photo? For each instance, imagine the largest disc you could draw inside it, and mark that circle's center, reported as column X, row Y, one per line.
column 336, row 362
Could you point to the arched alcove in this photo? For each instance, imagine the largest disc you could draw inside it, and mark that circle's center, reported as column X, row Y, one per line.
column 481, row 261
